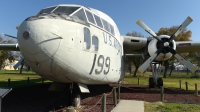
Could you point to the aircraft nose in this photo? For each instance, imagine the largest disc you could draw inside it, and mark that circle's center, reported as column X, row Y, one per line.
column 38, row 38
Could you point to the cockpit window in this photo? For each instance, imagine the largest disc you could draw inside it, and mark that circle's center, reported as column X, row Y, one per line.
column 112, row 30
column 65, row 10
column 80, row 15
column 98, row 20
column 47, row 10
column 106, row 25
column 90, row 17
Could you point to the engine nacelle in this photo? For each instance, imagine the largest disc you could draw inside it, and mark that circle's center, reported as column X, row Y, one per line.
column 154, row 46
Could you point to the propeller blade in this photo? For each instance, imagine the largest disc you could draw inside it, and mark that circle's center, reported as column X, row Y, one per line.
column 10, row 36
column 18, row 63
column 187, row 63
column 146, row 64
column 181, row 59
column 147, row 29
column 17, row 27
column 181, row 27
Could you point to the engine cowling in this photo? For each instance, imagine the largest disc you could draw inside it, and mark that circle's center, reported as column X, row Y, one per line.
column 154, row 45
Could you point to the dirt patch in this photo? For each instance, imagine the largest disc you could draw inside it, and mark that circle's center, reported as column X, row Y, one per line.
column 37, row 98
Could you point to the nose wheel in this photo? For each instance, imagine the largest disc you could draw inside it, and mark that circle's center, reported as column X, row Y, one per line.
column 75, row 95
column 152, row 84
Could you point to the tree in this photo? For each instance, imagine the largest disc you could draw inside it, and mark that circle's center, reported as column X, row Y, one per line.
column 6, row 55
column 137, row 61
column 135, row 34
column 184, row 36
column 134, row 60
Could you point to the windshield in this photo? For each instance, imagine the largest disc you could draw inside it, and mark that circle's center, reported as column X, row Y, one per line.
column 65, row 10
column 47, row 10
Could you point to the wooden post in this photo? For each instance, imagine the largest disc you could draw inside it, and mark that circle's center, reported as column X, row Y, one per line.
column 180, row 83
column 196, row 89
column 8, row 86
column 114, row 96
column 28, row 81
column 118, row 95
column 162, row 93
column 186, row 86
column 138, row 81
column 104, row 103
column 70, row 110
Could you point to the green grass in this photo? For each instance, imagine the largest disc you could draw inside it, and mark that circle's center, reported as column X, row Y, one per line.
column 19, row 80
column 170, row 107
column 172, row 81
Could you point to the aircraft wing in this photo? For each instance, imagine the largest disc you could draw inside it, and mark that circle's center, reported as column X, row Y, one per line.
column 139, row 43
column 187, row 46
column 9, row 47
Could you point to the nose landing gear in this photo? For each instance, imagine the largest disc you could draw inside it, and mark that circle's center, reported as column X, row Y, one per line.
column 155, row 81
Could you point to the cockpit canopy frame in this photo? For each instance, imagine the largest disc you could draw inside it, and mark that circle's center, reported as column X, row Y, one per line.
column 82, row 13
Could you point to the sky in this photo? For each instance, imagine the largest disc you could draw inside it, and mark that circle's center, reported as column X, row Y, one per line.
column 155, row 13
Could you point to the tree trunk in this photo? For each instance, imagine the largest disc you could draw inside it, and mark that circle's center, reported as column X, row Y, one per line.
column 187, row 71
column 171, row 69
column 129, row 68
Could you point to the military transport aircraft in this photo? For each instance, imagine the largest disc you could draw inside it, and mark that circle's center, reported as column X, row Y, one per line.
column 81, row 45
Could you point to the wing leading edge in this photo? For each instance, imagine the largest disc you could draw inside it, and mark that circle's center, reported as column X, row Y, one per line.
column 187, row 46
column 9, row 47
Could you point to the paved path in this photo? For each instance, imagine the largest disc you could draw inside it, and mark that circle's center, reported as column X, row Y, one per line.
column 129, row 106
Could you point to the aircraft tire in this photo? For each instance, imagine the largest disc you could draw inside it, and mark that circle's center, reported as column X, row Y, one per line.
column 76, row 96
column 151, row 82
column 77, row 100
column 160, row 82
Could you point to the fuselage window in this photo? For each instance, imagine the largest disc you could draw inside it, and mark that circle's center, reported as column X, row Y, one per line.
column 87, row 39
column 80, row 15
column 95, row 43
column 106, row 25
column 112, row 30
column 90, row 17
column 65, row 10
column 47, row 10
column 98, row 21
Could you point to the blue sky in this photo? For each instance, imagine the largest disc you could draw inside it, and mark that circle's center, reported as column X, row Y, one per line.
column 125, row 13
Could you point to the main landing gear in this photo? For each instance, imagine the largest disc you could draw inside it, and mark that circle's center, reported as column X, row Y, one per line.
column 155, row 81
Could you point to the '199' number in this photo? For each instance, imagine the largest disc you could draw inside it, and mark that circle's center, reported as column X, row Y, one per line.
column 100, row 64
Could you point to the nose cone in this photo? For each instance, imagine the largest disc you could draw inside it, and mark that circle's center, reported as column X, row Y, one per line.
column 38, row 37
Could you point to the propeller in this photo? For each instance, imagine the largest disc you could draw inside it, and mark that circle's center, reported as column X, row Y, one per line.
column 145, row 65
column 187, row 21
column 181, row 59
column 147, row 29
column 17, row 27
column 10, row 36
column 18, row 63
column 164, row 45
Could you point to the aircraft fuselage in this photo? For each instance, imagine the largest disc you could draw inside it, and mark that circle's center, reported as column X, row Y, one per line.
column 69, row 50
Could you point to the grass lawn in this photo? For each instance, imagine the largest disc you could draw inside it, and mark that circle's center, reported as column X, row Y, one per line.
column 19, row 80
column 170, row 107
column 172, row 81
